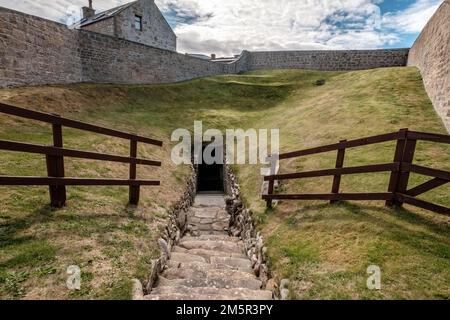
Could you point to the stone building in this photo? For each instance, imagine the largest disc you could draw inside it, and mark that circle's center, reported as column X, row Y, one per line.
column 139, row 21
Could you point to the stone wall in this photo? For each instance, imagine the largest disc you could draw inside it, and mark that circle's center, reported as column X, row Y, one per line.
column 327, row 60
column 112, row 60
column 36, row 51
column 241, row 64
column 431, row 54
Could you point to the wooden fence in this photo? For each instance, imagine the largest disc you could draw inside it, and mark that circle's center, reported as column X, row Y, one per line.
column 397, row 191
column 55, row 154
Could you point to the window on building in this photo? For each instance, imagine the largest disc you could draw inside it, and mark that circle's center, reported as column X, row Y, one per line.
column 138, row 22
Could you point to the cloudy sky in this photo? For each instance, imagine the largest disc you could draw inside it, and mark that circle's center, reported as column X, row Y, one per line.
column 225, row 27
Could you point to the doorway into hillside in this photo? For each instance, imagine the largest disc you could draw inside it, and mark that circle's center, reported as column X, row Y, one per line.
column 210, row 177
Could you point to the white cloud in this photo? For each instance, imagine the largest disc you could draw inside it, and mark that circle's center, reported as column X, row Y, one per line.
column 228, row 27
column 233, row 25
column 56, row 10
column 412, row 19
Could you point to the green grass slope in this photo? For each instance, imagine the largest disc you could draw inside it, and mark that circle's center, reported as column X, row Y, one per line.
column 324, row 249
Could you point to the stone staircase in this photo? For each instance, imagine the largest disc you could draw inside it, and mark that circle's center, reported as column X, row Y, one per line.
column 208, row 264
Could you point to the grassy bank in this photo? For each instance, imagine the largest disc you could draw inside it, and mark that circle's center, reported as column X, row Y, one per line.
column 323, row 249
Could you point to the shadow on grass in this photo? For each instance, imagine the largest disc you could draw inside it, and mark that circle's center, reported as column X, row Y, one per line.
column 65, row 220
column 433, row 240
column 12, row 227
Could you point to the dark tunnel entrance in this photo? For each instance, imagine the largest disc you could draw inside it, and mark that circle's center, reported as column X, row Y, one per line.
column 210, row 177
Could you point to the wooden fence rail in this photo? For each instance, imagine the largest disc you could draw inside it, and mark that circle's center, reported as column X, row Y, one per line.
column 55, row 154
column 400, row 169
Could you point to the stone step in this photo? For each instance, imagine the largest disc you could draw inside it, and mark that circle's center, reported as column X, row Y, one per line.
column 202, row 206
column 199, row 207
column 205, row 213
column 215, row 226
column 210, row 200
column 183, row 257
column 208, row 253
column 215, row 281
column 196, row 220
column 204, row 272
column 220, row 226
column 187, row 297
column 238, row 263
column 200, row 220
column 225, row 246
column 212, row 237
column 208, row 293
column 203, row 266
column 208, row 264
column 211, row 233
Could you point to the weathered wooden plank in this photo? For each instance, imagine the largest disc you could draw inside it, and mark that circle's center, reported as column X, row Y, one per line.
column 433, row 137
column 331, row 172
column 445, row 175
column 50, row 118
column 47, row 181
column 423, row 204
column 427, row 186
column 349, row 144
column 331, row 196
column 53, row 151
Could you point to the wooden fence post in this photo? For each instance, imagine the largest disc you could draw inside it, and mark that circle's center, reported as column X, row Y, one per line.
column 398, row 158
column 55, row 168
column 134, row 190
column 274, row 166
column 339, row 164
column 270, row 192
column 408, row 157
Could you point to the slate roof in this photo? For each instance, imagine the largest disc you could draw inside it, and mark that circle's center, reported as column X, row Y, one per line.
column 103, row 15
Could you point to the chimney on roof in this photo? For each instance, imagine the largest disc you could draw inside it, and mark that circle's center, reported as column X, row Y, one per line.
column 88, row 11
column 213, row 56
